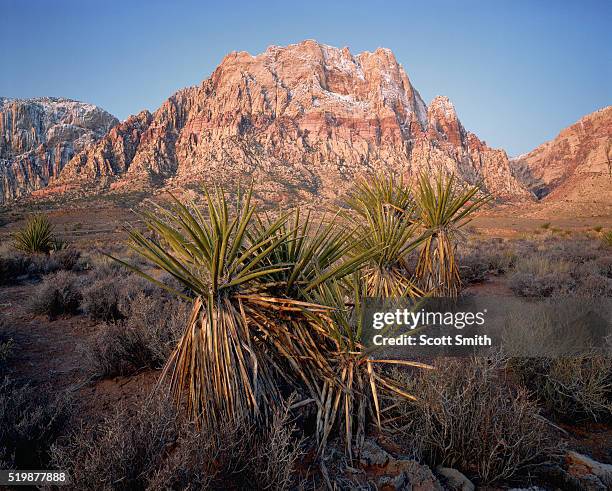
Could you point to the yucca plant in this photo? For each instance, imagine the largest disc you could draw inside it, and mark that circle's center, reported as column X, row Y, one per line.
column 387, row 226
column 354, row 393
column 391, row 192
column 248, row 323
column 37, row 236
column 443, row 208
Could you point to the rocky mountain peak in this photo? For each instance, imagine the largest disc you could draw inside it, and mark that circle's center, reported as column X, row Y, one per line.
column 39, row 136
column 443, row 122
column 575, row 168
column 301, row 120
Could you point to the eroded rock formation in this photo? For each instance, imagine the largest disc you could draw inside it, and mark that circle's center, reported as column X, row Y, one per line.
column 300, row 120
column 39, row 136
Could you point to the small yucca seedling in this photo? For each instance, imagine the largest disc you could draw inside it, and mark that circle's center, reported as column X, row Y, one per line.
column 606, row 237
column 37, row 236
column 443, row 208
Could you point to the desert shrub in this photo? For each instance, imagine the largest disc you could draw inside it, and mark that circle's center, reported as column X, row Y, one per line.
column 604, row 264
column 12, row 266
column 102, row 299
column 144, row 339
column 595, row 285
column 36, row 236
column 574, row 251
column 122, row 451
column 150, row 448
column 606, row 238
column 560, row 267
column 57, row 294
column 111, row 292
column 101, row 267
column 467, row 416
column 538, row 276
column 30, row 422
column 6, row 344
column 478, row 259
column 531, row 285
column 576, row 388
column 67, row 259
column 232, row 456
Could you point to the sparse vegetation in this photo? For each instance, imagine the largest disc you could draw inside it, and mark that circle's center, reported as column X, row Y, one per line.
column 31, row 419
column 278, row 298
column 573, row 389
column 15, row 265
column 477, row 260
column 6, row 345
column 57, row 294
column 153, row 449
column 144, row 339
column 468, row 417
column 37, row 236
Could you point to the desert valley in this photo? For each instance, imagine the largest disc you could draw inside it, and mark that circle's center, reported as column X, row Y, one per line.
column 127, row 275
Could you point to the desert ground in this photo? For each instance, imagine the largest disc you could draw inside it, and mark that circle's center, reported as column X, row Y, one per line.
column 81, row 390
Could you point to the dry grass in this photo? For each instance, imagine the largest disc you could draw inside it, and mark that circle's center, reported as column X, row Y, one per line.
column 15, row 264
column 151, row 448
column 58, row 294
column 145, row 338
column 31, row 419
column 480, row 258
column 572, row 389
column 555, row 267
column 469, row 417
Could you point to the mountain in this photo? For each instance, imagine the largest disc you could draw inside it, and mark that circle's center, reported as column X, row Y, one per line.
column 575, row 168
column 39, row 136
column 301, row 121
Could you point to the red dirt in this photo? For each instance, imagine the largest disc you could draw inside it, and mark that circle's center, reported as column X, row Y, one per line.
column 50, row 353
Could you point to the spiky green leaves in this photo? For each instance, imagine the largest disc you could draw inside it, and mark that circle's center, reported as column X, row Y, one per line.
column 249, row 276
column 37, row 236
column 443, row 207
column 384, row 209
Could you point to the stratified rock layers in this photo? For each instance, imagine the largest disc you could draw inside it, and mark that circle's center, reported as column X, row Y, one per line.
column 575, row 167
column 300, row 120
column 39, row 136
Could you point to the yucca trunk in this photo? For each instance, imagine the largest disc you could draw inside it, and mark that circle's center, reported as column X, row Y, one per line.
column 219, row 365
column 437, row 266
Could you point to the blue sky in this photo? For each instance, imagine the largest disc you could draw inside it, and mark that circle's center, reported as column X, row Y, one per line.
column 518, row 72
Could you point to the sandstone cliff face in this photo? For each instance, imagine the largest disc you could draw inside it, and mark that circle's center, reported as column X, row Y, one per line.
column 300, row 120
column 576, row 166
column 39, row 136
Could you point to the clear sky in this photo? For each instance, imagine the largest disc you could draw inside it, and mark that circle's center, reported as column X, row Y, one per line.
column 517, row 71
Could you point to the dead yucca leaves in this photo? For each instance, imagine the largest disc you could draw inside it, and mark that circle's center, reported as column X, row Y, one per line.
column 443, row 208
column 355, row 391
